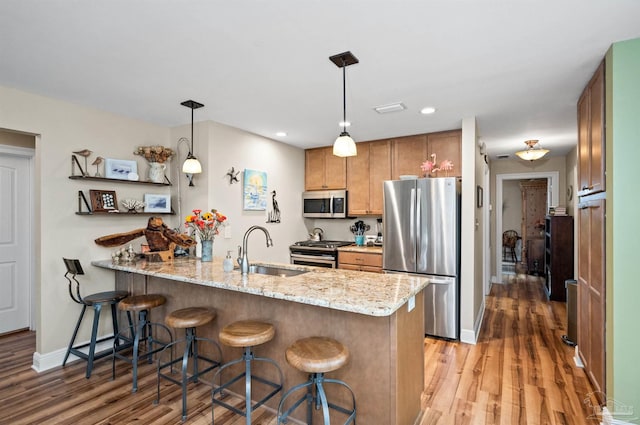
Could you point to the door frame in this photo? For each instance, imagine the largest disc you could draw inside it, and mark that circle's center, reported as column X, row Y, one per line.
column 553, row 189
column 29, row 154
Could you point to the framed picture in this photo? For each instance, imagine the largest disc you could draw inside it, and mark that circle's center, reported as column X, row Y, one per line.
column 119, row 168
column 103, row 200
column 254, row 193
column 479, row 196
column 157, row 203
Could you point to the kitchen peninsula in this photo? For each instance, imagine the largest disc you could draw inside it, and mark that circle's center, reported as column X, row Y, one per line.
column 379, row 318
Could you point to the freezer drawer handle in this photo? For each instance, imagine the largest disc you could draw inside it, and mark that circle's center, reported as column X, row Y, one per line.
column 439, row 281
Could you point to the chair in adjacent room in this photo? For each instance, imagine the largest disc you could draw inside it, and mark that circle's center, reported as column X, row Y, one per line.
column 509, row 240
column 97, row 301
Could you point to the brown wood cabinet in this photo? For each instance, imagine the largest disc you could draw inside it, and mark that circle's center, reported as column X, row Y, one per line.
column 591, row 227
column 591, row 139
column 410, row 152
column 360, row 261
column 365, row 174
column 324, row 170
column 558, row 255
column 534, row 210
column 591, row 289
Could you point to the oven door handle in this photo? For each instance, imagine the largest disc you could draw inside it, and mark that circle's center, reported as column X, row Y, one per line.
column 318, row 258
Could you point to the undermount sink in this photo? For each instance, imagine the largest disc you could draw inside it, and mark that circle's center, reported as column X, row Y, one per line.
column 274, row 271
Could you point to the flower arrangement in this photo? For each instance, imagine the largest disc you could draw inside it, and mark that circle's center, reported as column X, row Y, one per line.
column 154, row 153
column 431, row 166
column 205, row 225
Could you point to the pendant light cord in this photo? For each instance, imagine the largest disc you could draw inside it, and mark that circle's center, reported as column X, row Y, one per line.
column 344, row 95
column 191, row 131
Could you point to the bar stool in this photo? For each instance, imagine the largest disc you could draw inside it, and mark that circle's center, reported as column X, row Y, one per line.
column 188, row 319
column 246, row 334
column 143, row 331
column 317, row 356
column 96, row 301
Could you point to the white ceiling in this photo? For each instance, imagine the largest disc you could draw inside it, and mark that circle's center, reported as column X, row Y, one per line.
column 518, row 66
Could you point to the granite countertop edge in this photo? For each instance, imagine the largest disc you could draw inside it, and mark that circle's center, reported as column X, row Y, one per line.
column 364, row 293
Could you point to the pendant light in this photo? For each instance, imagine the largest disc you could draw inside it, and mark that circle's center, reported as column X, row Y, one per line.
column 191, row 164
column 344, row 144
column 532, row 152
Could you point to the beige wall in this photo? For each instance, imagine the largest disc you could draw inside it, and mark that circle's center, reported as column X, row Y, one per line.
column 60, row 128
column 515, row 166
column 11, row 138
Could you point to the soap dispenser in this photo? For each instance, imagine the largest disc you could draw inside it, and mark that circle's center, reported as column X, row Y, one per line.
column 227, row 263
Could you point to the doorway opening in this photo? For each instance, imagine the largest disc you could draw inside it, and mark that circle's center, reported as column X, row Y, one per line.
column 551, row 193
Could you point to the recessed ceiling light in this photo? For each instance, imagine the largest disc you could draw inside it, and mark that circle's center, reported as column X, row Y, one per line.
column 428, row 110
column 344, row 124
column 281, row 134
column 393, row 107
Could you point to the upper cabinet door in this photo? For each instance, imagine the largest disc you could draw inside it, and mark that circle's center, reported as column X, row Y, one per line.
column 408, row 155
column 446, row 145
column 591, row 136
column 380, row 170
column 323, row 170
column 358, row 169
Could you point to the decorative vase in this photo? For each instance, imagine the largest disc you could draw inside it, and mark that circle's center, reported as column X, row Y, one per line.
column 207, row 251
column 156, row 172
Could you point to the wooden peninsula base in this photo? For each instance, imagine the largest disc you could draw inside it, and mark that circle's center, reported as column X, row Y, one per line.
column 386, row 368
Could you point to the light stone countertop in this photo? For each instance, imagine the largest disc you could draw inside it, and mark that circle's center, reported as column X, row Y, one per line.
column 370, row 294
column 365, row 249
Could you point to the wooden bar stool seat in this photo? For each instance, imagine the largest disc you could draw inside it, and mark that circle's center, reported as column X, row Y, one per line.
column 96, row 301
column 317, row 356
column 188, row 319
column 142, row 332
column 246, row 334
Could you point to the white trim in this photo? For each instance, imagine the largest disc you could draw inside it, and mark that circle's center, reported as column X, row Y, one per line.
column 554, row 176
column 43, row 362
column 486, row 231
column 469, row 336
column 17, row 151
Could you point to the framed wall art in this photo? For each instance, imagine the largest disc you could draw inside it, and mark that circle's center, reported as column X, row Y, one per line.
column 254, row 193
column 121, row 169
column 103, row 200
column 157, row 203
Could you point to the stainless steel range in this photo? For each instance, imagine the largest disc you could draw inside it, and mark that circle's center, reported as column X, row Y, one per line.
column 316, row 253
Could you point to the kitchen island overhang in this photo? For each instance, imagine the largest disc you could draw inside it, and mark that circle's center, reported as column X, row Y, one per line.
column 380, row 318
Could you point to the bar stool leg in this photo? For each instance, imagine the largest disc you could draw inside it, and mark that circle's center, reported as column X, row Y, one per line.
column 97, row 308
column 75, row 333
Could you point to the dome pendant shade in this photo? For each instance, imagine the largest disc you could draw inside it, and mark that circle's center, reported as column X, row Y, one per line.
column 344, row 144
column 532, row 153
column 191, row 165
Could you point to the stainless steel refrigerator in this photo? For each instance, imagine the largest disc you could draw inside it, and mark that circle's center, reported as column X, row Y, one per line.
column 422, row 236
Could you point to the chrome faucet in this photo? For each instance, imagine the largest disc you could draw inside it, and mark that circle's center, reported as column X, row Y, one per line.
column 243, row 258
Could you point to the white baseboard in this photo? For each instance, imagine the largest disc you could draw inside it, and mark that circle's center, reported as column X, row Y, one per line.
column 608, row 419
column 469, row 336
column 42, row 362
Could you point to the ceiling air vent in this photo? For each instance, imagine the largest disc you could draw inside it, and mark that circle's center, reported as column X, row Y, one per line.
column 502, row 156
column 394, row 107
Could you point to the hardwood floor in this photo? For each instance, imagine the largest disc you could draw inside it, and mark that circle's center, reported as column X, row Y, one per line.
column 520, row 372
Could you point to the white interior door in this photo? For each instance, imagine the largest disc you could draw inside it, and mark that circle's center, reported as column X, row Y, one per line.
column 15, row 276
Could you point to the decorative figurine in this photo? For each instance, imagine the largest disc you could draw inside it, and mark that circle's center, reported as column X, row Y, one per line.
column 97, row 162
column 233, row 176
column 274, row 214
column 162, row 240
column 84, row 153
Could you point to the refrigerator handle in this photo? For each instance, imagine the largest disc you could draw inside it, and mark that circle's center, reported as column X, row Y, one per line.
column 440, row 281
column 412, row 212
column 418, row 217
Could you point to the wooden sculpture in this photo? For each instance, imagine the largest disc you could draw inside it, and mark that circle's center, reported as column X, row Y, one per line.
column 161, row 240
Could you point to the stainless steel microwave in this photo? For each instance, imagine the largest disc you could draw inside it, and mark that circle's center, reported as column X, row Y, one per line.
column 324, row 204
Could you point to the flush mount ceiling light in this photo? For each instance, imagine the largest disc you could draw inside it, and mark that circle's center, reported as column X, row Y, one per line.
column 191, row 165
column 344, row 144
column 532, row 152
column 428, row 110
column 393, row 107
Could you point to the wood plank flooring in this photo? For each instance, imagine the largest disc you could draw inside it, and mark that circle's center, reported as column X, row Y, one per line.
column 519, row 373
